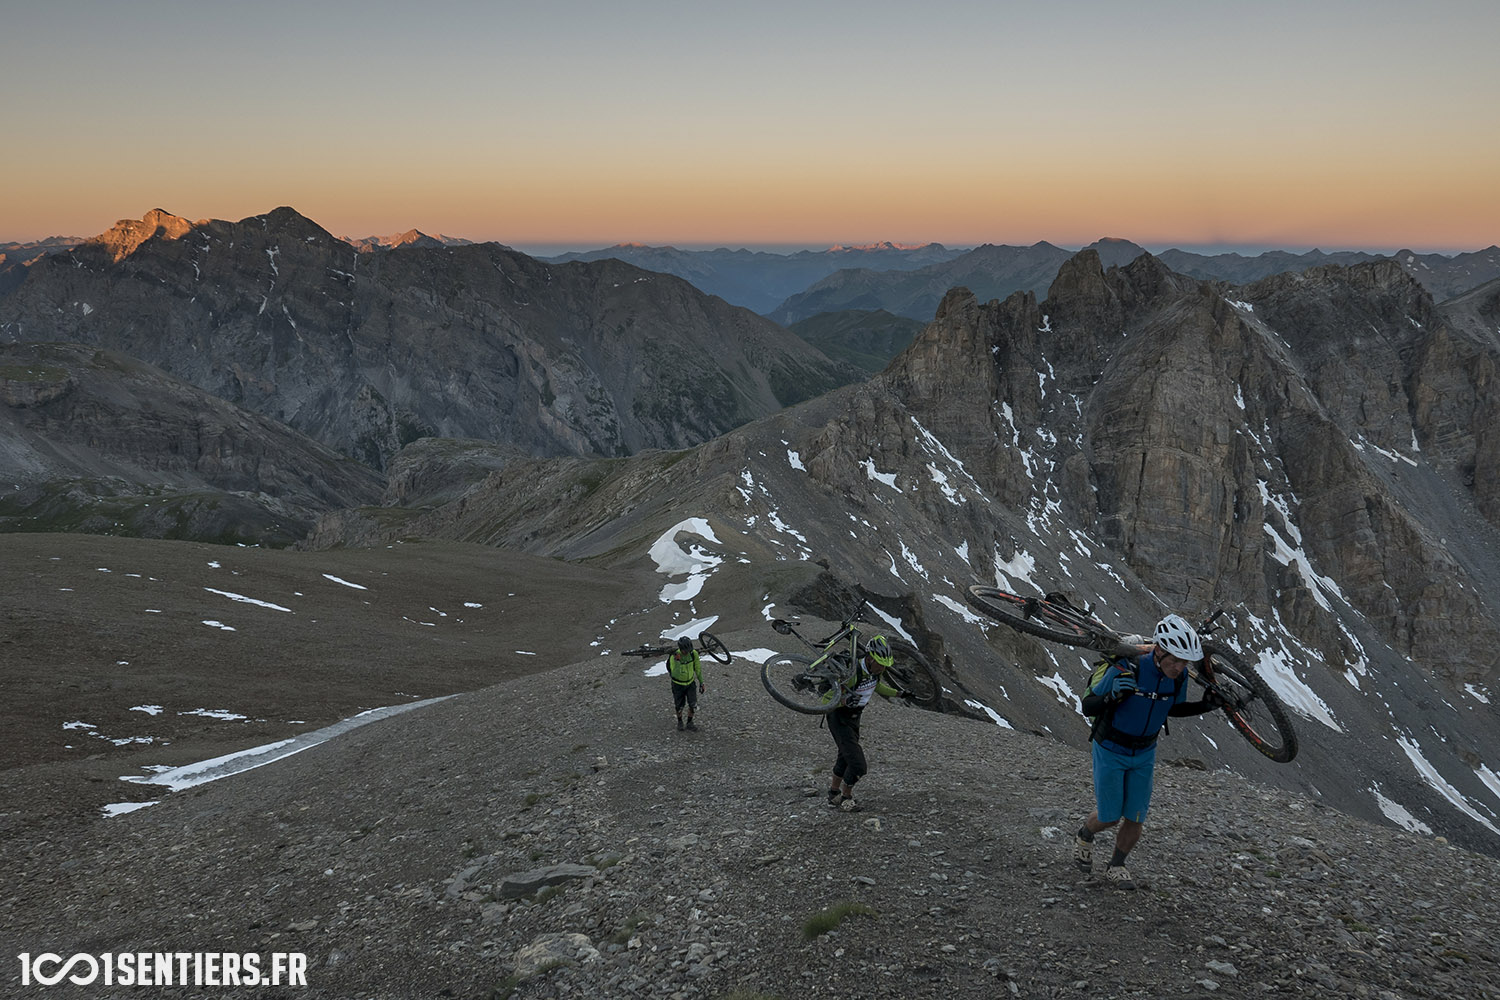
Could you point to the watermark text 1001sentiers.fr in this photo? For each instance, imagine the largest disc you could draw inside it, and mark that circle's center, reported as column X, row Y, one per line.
column 172, row 968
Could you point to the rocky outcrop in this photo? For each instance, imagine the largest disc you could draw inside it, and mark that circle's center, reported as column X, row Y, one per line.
column 1203, row 434
column 33, row 384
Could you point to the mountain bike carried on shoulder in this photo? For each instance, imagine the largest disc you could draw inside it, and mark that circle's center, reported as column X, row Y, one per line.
column 813, row 685
column 707, row 644
column 1253, row 708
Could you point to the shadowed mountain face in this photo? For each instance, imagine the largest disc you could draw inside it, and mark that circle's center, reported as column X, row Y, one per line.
column 1313, row 452
column 367, row 352
column 97, row 442
column 866, row 339
column 16, row 257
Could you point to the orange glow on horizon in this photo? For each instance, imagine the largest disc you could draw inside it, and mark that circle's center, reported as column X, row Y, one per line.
column 1067, row 197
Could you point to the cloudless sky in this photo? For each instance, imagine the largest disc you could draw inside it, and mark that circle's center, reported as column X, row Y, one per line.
column 583, row 123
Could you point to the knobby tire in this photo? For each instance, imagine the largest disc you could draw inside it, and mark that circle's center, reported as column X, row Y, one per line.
column 784, row 676
column 911, row 674
column 710, row 644
column 1263, row 722
column 1011, row 609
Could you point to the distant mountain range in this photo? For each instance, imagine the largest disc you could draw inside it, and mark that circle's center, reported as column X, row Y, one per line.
column 410, row 238
column 994, row 272
column 902, row 279
column 758, row 280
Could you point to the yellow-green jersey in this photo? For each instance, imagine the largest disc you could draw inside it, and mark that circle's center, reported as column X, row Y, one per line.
column 685, row 669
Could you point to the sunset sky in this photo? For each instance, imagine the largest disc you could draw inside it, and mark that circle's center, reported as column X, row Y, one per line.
column 574, row 123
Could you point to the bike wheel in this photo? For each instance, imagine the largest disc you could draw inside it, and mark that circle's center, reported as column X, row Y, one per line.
column 1263, row 720
column 1035, row 615
column 912, row 675
column 800, row 686
column 710, row 644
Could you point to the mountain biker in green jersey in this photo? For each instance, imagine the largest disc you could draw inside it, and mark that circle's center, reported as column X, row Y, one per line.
column 843, row 722
column 686, row 671
column 1132, row 701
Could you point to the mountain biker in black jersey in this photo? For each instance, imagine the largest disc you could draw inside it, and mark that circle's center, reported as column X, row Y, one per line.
column 1131, row 703
column 686, row 670
column 843, row 722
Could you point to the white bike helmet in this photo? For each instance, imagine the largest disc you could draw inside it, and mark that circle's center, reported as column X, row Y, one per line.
column 1177, row 637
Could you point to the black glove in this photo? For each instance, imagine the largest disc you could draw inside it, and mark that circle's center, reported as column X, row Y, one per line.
column 1218, row 699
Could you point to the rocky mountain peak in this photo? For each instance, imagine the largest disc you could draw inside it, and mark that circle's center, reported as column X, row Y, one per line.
column 287, row 222
column 410, row 238
column 127, row 235
column 1082, row 294
column 1081, row 277
column 1116, row 251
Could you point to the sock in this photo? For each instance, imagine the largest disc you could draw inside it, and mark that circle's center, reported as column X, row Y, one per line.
column 1085, row 835
column 1118, row 859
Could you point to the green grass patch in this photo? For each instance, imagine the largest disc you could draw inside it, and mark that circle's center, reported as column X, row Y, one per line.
column 829, row 917
column 46, row 374
column 505, row 988
column 626, row 930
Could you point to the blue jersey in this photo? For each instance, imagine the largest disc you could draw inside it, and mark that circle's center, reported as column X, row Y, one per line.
column 1139, row 716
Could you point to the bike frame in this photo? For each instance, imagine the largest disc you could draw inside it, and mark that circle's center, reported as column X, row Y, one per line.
column 836, row 662
column 847, row 630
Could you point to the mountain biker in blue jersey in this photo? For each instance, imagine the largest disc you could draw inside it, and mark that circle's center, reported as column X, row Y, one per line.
column 686, row 670
column 843, row 722
column 1131, row 703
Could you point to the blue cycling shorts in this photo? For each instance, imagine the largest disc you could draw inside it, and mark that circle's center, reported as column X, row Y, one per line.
column 1122, row 784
